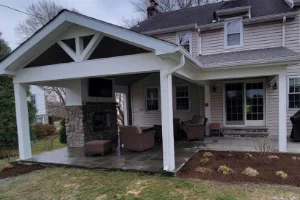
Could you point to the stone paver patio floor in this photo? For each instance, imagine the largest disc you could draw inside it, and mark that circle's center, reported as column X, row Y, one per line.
column 150, row 161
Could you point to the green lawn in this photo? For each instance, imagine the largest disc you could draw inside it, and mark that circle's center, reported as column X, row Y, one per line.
column 69, row 183
column 40, row 146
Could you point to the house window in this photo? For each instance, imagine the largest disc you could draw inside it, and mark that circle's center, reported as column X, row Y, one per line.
column 185, row 40
column 152, row 100
column 182, row 98
column 39, row 120
column 294, row 92
column 233, row 31
column 32, row 99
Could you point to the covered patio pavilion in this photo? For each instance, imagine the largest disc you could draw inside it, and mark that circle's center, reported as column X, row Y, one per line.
column 73, row 48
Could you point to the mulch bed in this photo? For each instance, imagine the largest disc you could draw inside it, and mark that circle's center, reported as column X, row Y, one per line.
column 19, row 169
column 266, row 167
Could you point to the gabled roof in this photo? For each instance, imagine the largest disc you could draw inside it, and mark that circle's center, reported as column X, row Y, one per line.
column 44, row 38
column 203, row 15
column 276, row 54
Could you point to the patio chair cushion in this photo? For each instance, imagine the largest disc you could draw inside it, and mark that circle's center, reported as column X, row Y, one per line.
column 97, row 147
column 139, row 129
column 198, row 120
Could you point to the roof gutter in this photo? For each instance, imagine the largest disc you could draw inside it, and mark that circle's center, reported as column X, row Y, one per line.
column 169, row 30
column 253, row 20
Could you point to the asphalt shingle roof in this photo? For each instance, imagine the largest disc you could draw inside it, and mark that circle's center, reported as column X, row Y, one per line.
column 249, row 55
column 202, row 15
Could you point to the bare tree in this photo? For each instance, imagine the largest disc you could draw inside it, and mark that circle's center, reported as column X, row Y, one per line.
column 40, row 13
column 120, row 110
column 140, row 6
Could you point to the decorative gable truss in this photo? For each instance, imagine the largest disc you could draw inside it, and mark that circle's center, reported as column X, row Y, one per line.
column 81, row 51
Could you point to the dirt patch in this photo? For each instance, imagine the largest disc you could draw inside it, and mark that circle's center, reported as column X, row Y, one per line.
column 238, row 162
column 18, row 169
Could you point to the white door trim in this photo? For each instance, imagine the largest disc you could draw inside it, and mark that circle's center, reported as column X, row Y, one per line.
column 245, row 121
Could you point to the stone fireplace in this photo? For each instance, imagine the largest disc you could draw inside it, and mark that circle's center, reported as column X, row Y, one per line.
column 91, row 122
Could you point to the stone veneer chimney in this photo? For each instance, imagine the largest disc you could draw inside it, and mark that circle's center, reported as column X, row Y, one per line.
column 152, row 9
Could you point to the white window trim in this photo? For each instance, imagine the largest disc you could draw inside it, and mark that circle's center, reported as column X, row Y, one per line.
column 189, row 33
column 146, row 98
column 288, row 92
column 241, row 33
column 189, row 97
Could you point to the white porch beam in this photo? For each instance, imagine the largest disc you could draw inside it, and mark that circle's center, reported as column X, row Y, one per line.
column 68, row 50
column 207, row 108
column 73, row 93
column 239, row 73
column 139, row 63
column 22, row 121
column 282, row 136
column 167, row 120
column 91, row 47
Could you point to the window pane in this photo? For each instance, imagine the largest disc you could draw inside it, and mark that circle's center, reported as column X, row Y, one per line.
column 292, row 85
column 182, row 91
column 152, row 104
column 297, row 85
column 185, row 40
column 182, row 104
column 233, row 27
column 152, row 93
column 233, row 39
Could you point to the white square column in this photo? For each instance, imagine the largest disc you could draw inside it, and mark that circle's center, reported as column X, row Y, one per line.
column 282, row 123
column 207, row 109
column 167, row 120
column 22, row 121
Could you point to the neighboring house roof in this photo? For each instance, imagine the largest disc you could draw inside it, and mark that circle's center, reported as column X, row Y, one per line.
column 203, row 15
column 250, row 56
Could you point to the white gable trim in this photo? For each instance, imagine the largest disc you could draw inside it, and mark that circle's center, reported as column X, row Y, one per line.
column 92, row 68
column 64, row 19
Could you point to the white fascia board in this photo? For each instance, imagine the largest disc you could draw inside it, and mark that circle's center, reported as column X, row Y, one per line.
column 133, row 64
column 240, row 73
column 21, row 51
column 136, row 39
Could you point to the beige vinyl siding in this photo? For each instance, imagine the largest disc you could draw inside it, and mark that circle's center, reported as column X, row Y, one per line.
column 216, row 102
column 171, row 37
column 272, row 110
column 257, row 36
column 142, row 117
column 292, row 42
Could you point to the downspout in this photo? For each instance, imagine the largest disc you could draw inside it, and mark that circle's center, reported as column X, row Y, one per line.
column 200, row 42
column 178, row 67
column 283, row 31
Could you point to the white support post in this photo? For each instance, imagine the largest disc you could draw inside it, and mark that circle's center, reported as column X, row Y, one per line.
column 22, row 121
column 125, row 108
column 282, row 136
column 73, row 93
column 167, row 120
column 207, row 109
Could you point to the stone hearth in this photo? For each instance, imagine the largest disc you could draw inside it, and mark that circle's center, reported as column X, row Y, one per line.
column 81, row 127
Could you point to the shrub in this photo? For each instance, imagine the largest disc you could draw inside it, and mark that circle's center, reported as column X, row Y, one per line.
column 273, row 157
column 224, row 169
column 248, row 155
column 203, row 170
column 263, row 147
column 250, row 172
column 207, row 154
column 6, row 166
column 204, row 160
column 43, row 130
column 281, row 174
column 295, row 158
column 63, row 132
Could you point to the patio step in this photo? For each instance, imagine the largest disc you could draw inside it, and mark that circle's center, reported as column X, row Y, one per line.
column 246, row 132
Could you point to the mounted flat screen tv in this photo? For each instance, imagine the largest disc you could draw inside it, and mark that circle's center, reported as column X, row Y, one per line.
column 99, row 87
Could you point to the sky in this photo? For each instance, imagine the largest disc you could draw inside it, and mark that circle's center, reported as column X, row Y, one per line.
column 111, row 11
